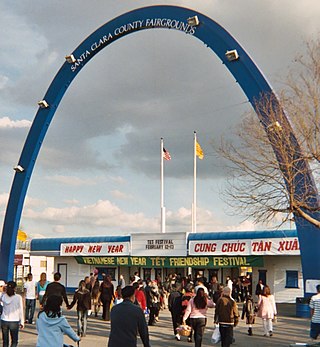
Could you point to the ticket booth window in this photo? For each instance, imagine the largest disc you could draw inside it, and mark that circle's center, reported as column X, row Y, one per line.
column 292, row 279
column 107, row 271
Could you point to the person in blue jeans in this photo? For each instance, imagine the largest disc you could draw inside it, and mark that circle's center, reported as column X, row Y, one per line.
column 12, row 314
column 82, row 297
column 30, row 294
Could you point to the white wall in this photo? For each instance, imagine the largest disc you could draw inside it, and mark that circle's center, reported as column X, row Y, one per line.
column 36, row 263
column 276, row 276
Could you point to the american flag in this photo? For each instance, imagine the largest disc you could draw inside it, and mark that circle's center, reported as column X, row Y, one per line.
column 166, row 154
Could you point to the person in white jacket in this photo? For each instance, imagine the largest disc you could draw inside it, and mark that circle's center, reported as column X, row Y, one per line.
column 52, row 325
column 12, row 317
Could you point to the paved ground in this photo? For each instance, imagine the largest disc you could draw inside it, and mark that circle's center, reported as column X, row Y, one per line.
column 287, row 330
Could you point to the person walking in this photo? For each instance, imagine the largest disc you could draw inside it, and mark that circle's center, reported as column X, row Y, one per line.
column 259, row 287
column 184, row 304
column 41, row 287
column 227, row 316
column 95, row 294
column 315, row 314
column 82, row 298
column 52, row 325
column 2, row 286
column 175, row 308
column 197, row 310
column 106, row 296
column 152, row 298
column 57, row 289
column 127, row 319
column 267, row 310
column 30, row 298
column 122, row 282
column 140, row 295
column 248, row 312
column 12, row 315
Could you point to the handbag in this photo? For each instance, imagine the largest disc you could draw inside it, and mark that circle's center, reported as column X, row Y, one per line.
column 216, row 337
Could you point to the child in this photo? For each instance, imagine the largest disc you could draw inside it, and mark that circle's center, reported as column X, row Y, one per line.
column 52, row 325
column 248, row 311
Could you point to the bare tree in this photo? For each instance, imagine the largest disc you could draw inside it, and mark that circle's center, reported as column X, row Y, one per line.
column 269, row 159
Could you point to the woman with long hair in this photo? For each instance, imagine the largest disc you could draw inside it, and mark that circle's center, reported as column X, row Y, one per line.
column 197, row 310
column 41, row 287
column 51, row 324
column 82, row 297
column 12, row 315
column 106, row 296
column 95, row 294
column 267, row 310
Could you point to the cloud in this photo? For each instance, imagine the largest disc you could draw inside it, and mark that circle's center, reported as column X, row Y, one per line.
column 105, row 215
column 6, row 122
column 102, row 213
column 4, row 199
column 3, row 81
column 72, row 180
column 32, row 44
column 34, row 202
column 58, row 229
column 117, row 194
column 72, row 202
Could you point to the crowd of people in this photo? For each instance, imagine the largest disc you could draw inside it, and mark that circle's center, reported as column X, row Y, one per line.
column 137, row 305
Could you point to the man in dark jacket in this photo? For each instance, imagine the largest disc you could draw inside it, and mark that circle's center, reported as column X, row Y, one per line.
column 175, row 307
column 226, row 314
column 126, row 320
column 56, row 288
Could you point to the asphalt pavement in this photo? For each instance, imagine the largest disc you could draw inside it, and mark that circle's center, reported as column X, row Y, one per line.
column 288, row 330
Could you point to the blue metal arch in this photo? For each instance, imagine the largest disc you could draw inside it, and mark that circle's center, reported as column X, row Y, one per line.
column 246, row 73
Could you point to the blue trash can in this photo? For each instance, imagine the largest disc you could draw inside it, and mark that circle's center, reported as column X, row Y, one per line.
column 302, row 308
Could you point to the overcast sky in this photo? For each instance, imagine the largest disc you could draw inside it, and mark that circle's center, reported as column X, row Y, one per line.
column 98, row 170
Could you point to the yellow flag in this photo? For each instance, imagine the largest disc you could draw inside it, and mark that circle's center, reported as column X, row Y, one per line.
column 199, row 151
column 22, row 236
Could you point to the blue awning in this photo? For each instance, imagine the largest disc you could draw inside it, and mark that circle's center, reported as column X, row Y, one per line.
column 240, row 235
column 51, row 246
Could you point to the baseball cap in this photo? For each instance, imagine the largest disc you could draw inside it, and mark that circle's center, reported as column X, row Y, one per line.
column 2, row 283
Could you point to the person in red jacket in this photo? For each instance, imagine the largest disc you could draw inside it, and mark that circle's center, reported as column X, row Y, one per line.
column 140, row 295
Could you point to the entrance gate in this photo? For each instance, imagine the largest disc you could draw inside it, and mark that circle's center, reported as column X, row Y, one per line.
column 234, row 58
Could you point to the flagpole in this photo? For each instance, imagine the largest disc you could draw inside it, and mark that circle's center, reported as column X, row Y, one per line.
column 194, row 204
column 162, row 208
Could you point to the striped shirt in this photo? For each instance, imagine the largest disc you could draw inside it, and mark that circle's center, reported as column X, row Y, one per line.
column 315, row 305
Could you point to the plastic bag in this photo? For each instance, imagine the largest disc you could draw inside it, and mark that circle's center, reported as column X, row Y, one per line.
column 216, row 337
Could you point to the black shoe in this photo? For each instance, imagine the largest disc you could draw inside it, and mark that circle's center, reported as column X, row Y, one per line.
column 189, row 339
column 270, row 333
column 250, row 331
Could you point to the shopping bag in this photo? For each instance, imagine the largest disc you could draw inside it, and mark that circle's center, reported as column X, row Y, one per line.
column 216, row 337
